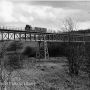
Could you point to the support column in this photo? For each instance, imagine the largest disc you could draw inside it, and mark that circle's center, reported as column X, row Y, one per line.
column 30, row 36
column 25, row 36
column 20, row 36
column 2, row 36
column 14, row 35
column 46, row 50
column 42, row 51
column 8, row 35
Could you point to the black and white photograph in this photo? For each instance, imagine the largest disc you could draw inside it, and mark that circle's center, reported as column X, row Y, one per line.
column 44, row 44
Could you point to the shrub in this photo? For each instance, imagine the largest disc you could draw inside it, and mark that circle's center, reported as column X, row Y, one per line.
column 75, row 53
column 13, row 62
column 13, row 54
column 29, row 51
column 14, row 45
column 86, row 63
column 56, row 49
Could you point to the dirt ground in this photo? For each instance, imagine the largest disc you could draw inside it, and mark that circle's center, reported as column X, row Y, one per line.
column 46, row 75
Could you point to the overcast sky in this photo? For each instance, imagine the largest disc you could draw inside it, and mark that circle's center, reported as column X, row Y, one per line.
column 49, row 14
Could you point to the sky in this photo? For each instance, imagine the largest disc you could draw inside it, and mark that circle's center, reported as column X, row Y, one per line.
column 49, row 14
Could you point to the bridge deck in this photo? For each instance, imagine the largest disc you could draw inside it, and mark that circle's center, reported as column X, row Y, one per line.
column 6, row 34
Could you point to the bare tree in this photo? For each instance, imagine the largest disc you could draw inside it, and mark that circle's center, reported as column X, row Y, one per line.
column 72, row 48
column 68, row 25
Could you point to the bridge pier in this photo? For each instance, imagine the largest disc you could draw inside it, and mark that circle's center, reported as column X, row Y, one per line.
column 42, row 50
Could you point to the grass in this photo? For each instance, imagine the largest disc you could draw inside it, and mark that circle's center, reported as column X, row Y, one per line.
column 51, row 74
column 48, row 75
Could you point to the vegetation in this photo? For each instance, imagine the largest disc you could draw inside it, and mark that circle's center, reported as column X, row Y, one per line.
column 75, row 55
column 72, row 50
column 14, row 46
column 29, row 51
column 86, row 61
column 56, row 49
column 2, row 53
column 78, row 58
column 14, row 54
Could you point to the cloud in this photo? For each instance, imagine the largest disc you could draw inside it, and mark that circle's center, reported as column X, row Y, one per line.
column 83, row 25
column 6, row 11
column 20, row 13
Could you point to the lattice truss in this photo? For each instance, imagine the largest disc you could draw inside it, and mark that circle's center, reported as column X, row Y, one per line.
column 56, row 37
column 32, row 36
column 42, row 48
column 14, row 36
